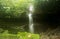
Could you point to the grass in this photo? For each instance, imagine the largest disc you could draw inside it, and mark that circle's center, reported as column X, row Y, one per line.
column 19, row 35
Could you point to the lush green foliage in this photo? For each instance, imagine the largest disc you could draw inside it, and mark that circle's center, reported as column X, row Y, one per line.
column 20, row 35
column 13, row 8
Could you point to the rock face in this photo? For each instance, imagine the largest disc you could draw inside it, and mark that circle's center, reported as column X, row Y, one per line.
column 54, row 34
column 49, row 37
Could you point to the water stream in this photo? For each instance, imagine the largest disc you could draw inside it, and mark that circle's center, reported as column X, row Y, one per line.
column 31, row 27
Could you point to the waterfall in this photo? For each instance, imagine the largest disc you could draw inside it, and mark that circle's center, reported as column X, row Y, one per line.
column 31, row 27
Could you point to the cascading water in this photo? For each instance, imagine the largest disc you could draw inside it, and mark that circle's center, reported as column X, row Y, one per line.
column 31, row 27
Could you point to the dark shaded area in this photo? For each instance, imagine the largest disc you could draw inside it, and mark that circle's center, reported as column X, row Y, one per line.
column 50, row 13
column 14, row 25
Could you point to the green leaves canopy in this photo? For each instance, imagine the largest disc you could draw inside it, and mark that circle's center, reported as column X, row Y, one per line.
column 13, row 8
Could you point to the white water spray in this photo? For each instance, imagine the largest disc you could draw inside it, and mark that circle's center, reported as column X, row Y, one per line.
column 31, row 27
